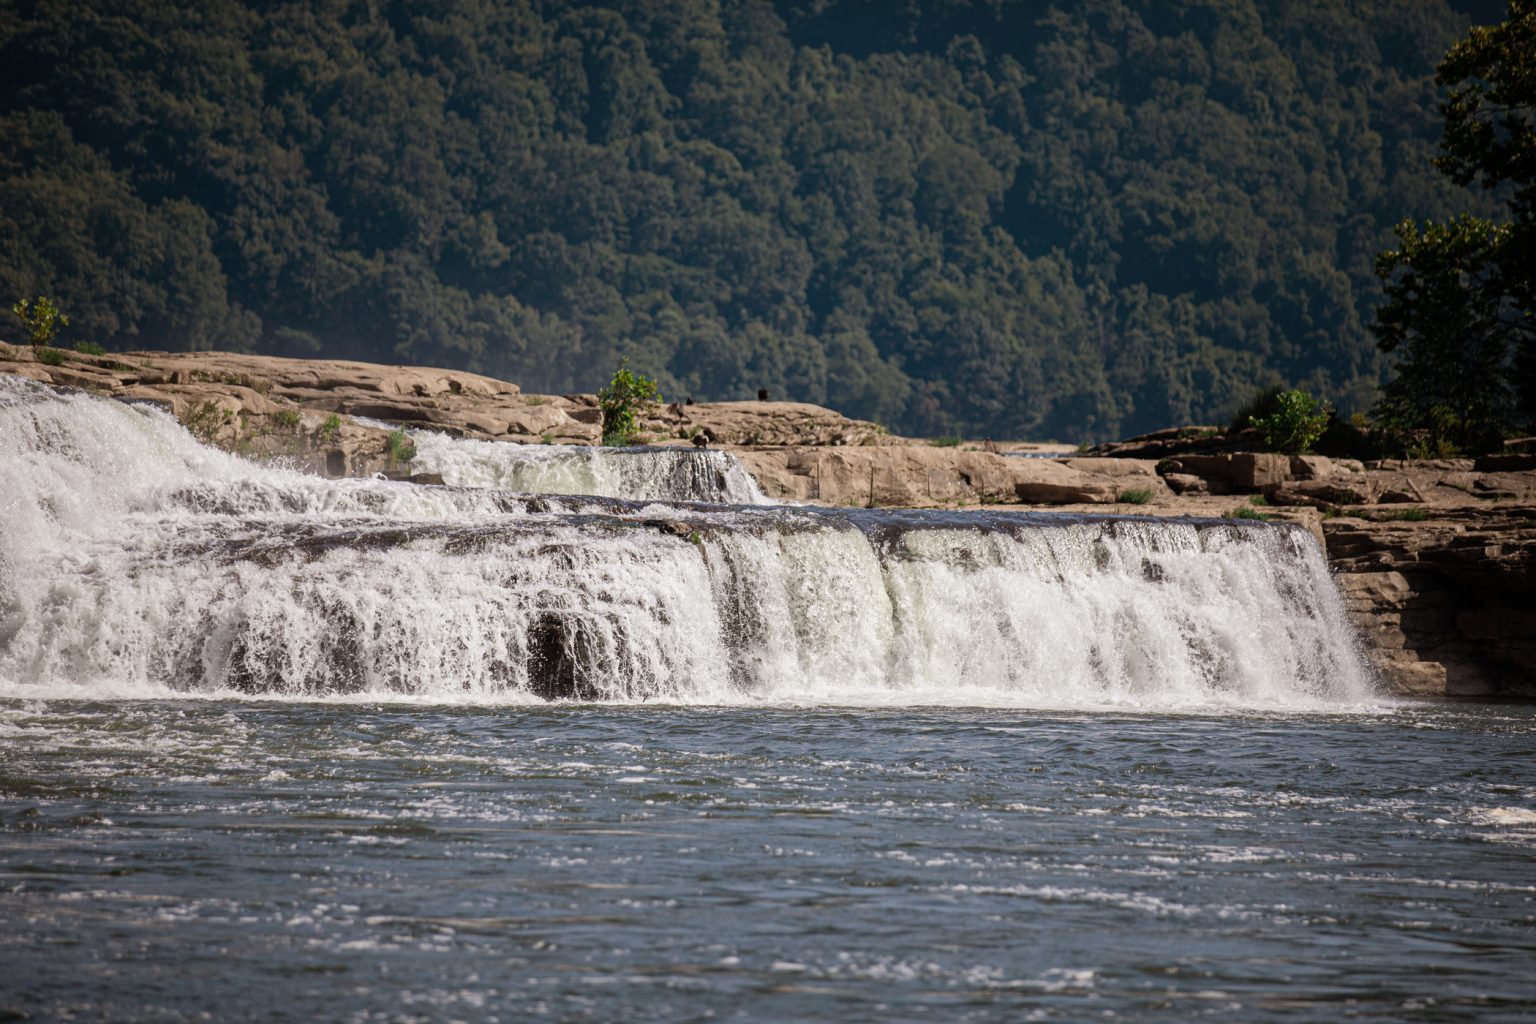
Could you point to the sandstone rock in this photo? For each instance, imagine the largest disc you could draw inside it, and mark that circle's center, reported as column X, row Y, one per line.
column 1210, row 468
column 1318, row 493
column 1447, row 605
column 763, row 423
column 1042, row 492
column 1311, row 467
column 919, row 476
column 1143, row 471
column 1185, row 483
column 1254, row 471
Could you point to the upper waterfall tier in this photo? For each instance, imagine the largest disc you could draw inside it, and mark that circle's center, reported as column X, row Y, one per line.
column 138, row 562
column 642, row 474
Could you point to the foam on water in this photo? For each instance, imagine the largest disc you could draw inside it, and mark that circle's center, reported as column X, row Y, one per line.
column 646, row 474
column 138, row 562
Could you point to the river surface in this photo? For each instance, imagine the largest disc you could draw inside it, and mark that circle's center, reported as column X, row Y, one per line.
column 190, row 859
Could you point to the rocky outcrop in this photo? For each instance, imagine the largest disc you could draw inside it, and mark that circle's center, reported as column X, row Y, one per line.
column 927, row 476
column 270, row 406
column 1446, row 604
column 762, row 423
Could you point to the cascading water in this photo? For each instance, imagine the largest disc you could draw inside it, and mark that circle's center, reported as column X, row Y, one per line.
column 647, row 474
column 136, row 561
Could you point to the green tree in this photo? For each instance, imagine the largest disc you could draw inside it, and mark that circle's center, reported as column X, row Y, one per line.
column 1295, row 424
column 41, row 319
column 1461, row 295
column 620, row 400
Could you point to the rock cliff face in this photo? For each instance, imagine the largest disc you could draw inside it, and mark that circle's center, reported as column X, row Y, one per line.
column 1447, row 605
column 1436, row 559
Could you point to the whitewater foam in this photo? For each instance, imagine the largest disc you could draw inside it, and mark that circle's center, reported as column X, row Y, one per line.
column 642, row 474
column 138, row 562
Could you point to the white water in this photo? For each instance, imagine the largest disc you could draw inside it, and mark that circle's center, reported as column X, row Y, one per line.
column 135, row 561
column 646, row 474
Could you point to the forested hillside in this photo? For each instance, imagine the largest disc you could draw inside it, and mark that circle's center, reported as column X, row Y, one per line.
column 1002, row 217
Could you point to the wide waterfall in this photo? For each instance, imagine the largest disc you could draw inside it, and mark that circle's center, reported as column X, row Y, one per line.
column 135, row 561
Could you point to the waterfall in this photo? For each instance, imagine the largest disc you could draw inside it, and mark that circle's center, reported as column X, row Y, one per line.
column 135, row 561
column 644, row 474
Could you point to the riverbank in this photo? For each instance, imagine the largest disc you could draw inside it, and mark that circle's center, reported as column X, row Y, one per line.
column 1434, row 558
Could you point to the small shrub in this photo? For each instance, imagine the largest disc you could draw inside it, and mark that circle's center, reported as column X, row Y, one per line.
column 204, row 419
column 1259, row 500
column 945, row 442
column 329, row 428
column 1295, row 425
column 50, row 356
column 1083, row 447
column 1248, row 512
column 1137, row 495
column 398, row 448
column 89, row 348
column 534, row 400
column 547, row 438
column 41, row 319
column 286, row 419
column 625, row 394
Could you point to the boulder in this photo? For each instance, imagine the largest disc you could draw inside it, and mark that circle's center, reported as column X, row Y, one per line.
column 1255, row 471
column 1311, row 467
column 1186, row 483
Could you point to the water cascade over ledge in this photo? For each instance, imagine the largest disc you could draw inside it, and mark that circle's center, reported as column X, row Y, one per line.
column 136, row 561
column 646, row 474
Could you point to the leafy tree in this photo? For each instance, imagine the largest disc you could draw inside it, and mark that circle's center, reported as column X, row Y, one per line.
column 1461, row 295
column 41, row 319
column 1295, row 423
column 625, row 395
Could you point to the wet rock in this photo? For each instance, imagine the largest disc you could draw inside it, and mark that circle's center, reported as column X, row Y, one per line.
column 558, row 653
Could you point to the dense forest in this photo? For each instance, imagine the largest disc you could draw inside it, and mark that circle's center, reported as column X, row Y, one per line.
column 992, row 217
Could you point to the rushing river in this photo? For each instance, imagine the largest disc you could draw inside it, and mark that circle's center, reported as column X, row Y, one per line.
column 302, row 861
column 642, row 747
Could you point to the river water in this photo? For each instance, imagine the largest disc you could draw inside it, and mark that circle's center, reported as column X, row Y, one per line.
column 280, row 748
column 326, row 861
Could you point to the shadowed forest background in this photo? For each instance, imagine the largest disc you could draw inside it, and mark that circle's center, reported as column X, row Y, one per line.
column 991, row 218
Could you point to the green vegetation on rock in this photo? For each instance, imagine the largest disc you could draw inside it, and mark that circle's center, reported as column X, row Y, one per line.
column 398, row 449
column 1294, row 424
column 626, row 394
column 40, row 319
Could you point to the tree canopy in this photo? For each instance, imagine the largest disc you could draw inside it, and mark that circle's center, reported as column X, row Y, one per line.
column 1462, row 293
column 989, row 217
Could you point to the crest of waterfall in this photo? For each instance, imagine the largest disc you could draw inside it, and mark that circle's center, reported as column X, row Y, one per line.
column 135, row 561
column 641, row 474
